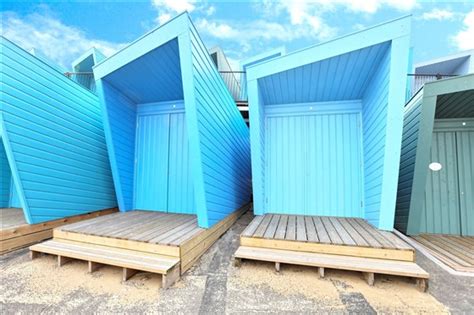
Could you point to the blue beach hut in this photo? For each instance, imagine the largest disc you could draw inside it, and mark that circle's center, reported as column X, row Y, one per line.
column 176, row 141
column 53, row 154
column 327, row 126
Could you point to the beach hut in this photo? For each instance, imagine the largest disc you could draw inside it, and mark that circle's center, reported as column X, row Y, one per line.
column 436, row 188
column 53, row 153
column 82, row 68
column 326, row 126
column 435, row 200
column 179, row 151
column 460, row 63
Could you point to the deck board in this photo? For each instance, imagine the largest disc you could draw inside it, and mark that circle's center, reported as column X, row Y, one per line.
column 318, row 233
column 455, row 251
column 11, row 217
column 141, row 226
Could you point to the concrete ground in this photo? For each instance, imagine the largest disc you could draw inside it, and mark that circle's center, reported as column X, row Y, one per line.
column 214, row 285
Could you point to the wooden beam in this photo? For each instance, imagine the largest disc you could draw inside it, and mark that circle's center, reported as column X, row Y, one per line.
column 356, row 251
column 170, row 277
column 192, row 249
column 63, row 260
column 172, row 251
column 128, row 273
column 237, row 262
column 369, row 277
column 28, row 234
column 34, row 255
column 93, row 266
column 321, row 272
column 422, row 284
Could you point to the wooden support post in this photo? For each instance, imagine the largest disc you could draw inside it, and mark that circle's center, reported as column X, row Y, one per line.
column 128, row 273
column 63, row 260
column 237, row 262
column 93, row 266
column 422, row 284
column 370, row 277
column 170, row 277
column 277, row 266
column 321, row 272
column 34, row 255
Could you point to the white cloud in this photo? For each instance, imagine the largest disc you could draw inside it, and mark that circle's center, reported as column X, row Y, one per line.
column 217, row 30
column 211, row 10
column 177, row 6
column 167, row 9
column 464, row 40
column 57, row 41
column 262, row 30
column 438, row 14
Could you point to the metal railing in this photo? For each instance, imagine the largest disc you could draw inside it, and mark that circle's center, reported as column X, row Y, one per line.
column 85, row 79
column 419, row 80
column 236, row 82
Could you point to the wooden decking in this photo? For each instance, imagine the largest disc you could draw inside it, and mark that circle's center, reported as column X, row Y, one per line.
column 328, row 242
column 11, row 218
column 327, row 235
column 136, row 240
column 455, row 251
column 15, row 233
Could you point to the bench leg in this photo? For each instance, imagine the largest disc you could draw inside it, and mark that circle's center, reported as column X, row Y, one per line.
column 93, row 266
column 34, row 255
column 128, row 273
column 370, row 277
column 63, row 260
column 321, row 272
column 170, row 277
column 277, row 266
column 422, row 284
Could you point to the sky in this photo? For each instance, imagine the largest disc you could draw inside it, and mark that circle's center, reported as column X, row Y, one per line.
column 62, row 30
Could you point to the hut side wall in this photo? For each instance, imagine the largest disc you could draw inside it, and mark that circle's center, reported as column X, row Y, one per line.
column 374, row 122
column 223, row 138
column 411, row 125
column 119, row 114
column 54, row 133
column 5, row 178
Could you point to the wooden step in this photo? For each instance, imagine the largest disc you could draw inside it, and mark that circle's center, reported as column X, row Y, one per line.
column 369, row 266
column 130, row 260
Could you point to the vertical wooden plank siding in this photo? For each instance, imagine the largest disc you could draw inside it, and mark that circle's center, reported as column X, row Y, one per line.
column 54, row 133
column 397, row 83
column 465, row 142
column 257, row 135
column 223, row 136
column 411, row 127
column 368, row 67
column 374, row 119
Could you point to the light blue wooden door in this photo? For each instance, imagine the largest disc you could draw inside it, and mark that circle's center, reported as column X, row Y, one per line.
column 441, row 211
column 313, row 164
column 180, row 180
column 151, row 173
column 465, row 152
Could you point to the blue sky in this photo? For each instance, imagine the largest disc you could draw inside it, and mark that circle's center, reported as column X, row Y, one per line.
column 64, row 30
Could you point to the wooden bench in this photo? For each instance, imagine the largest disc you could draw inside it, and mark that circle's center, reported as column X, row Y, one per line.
column 131, row 261
column 369, row 266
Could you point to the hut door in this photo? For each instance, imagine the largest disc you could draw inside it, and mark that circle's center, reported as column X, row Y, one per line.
column 163, row 178
column 151, row 174
column 449, row 189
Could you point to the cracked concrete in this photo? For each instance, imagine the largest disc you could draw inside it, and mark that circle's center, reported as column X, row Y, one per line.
column 215, row 286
